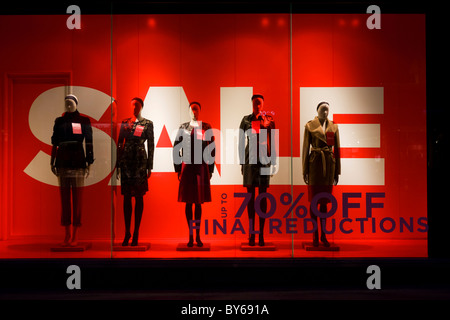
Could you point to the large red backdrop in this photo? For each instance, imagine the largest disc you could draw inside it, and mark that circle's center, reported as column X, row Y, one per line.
column 213, row 59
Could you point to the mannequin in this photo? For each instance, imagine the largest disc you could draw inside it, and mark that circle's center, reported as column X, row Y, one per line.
column 71, row 164
column 134, row 166
column 251, row 168
column 321, row 162
column 194, row 174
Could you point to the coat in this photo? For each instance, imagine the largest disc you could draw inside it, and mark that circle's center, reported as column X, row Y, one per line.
column 250, row 160
column 194, row 165
column 69, row 132
column 132, row 159
column 321, row 155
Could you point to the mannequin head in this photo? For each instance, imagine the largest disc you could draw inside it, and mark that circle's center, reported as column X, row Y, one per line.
column 257, row 103
column 71, row 103
column 194, row 110
column 136, row 106
column 323, row 109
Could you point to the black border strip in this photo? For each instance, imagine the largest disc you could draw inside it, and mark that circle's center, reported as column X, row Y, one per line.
column 212, row 7
column 35, row 277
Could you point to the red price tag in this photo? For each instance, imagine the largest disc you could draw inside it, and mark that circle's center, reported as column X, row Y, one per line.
column 138, row 130
column 200, row 134
column 330, row 138
column 76, row 128
column 256, row 125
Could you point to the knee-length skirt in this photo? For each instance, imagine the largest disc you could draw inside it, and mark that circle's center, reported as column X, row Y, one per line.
column 194, row 183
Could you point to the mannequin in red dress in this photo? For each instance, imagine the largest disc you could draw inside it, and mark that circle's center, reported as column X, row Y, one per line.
column 194, row 174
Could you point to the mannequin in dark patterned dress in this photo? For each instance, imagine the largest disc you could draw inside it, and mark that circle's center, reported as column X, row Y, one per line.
column 134, row 166
column 194, row 156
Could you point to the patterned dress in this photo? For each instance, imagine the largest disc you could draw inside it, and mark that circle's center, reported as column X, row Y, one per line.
column 132, row 159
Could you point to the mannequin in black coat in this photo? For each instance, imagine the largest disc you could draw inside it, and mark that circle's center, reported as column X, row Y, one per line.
column 71, row 164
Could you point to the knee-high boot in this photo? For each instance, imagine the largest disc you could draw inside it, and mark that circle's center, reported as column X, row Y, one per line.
column 188, row 212
column 138, row 210
column 198, row 217
column 127, row 210
column 251, row 216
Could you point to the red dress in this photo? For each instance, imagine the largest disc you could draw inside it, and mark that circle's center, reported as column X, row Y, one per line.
column 194, row 168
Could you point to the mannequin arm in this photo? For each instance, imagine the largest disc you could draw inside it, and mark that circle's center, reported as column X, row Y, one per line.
column 52, row 160
column 336, row 180
column 88, row 168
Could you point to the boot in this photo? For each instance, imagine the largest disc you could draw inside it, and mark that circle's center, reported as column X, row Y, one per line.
column 261, row 230
column 190, row 244
column 126, row 239
column 251, row 241
column 323, row 237
column 316, row 238
column 261, row 240
column 134, row 242
column 199, row 242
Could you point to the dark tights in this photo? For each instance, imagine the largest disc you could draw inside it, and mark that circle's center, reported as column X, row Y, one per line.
column 198, row 216
column 322, row 209
column 127, row 211
column 251, row 213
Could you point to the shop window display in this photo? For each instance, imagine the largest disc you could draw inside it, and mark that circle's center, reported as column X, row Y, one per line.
column 357, row 81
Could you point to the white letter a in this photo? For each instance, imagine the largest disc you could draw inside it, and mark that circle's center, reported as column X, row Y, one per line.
column 374, row 281
column 74, row 21
column 374, row 21
column 74, row 281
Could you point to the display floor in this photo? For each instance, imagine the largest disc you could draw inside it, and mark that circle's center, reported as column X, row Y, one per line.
column 167, row 249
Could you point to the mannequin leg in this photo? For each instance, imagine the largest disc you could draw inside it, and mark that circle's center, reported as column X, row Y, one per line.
column 127, row 210
column 251, row 215
column 66, row 237
column 64, row 188
column 198, row 217
column 262, row 221
column 138, row 210
column 316, row 231
column 74, row 241
column 189, row 214
column 77, row 184
column 323, row 237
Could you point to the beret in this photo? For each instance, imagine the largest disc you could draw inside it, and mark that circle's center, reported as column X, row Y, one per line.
column 72, row 97
column 321, row 103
